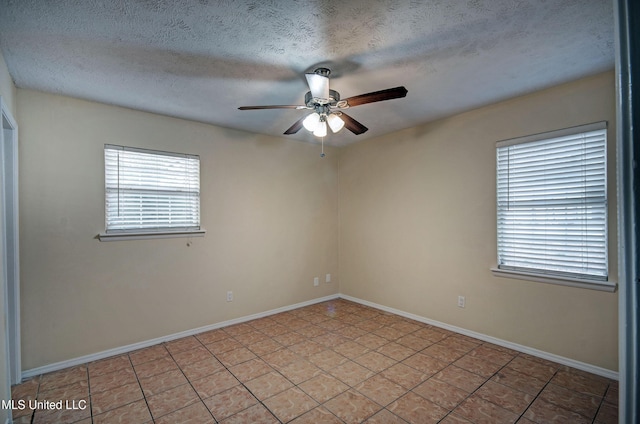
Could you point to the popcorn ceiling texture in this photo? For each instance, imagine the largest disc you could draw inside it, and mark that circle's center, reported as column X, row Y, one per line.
column 200, row 59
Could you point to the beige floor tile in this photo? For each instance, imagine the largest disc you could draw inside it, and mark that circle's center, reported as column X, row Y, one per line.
column 542, row 411
column 443, row 353
column 441, row 393
column 109, row 365
column 115, row 398
column 300, row 371
column 350, row 349
column 584, row 404
column 380, row 390
column 186, row 357
column 224, row 345
column 323, row 387
column 290, row 404
column 371, row 341
column 351, row 373
column 111, row 380
column 155, row 367
column 196, row 413
column 319, row 415
column 251, row 337
column 214, row 383
column 200, row 369
column 148, row 354
column 327, row 359
column 268, row 385
column 77, row 390
column 280, row 358
column 405, row 375
column 136, row 412
column 385, row 417
column 306, row 348
column 256, row 414
column 510, row 399
column 480, row 411
column 235, row 356
column 416, row 409
column 492, row 355
column 425, row 363
column 63, row 377
column 519, row 381
column 185, row 343
column 250, row 369
column 352, row 407
column 171, row 400
column 531, row 368
column 230, row 402
column 212, row 336
column 396, row 351
column 161, row 382
column 375, row 361
column 580, row 383
column 290, row 338
column 265, row 347
column 460, row 378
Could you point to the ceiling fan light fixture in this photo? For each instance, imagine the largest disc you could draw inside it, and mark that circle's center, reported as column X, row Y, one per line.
column 335, row 122
column 311, row 122
column 321, row 129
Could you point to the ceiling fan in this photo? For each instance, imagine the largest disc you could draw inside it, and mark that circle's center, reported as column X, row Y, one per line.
column 327, row 106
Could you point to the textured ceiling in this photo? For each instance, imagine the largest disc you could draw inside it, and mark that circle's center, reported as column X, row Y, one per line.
column 201, row 59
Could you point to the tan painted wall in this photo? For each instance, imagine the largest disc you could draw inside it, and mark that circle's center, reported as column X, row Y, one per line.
column 7, row 91
column 417, row 226
column 269, row 206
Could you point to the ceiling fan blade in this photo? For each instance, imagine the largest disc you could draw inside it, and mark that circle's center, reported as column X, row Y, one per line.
column 376, row 96
column 295, row 127
column 272, row 107
column 353, row 125
column 319, row 86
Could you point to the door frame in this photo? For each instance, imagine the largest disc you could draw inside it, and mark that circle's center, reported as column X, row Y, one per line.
column 10, row 216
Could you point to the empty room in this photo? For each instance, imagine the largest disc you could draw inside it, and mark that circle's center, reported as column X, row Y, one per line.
column 311, row 212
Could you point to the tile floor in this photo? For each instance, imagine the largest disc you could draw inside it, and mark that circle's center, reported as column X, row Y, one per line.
column 333, row 362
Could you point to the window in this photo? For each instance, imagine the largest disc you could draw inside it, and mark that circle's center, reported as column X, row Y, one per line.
column 150, row 193
column 552, row 204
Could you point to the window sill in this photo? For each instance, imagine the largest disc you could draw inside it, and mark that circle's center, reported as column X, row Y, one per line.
column 607, row 286
column 147, row 236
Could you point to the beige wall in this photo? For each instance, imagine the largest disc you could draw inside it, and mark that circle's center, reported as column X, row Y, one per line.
column 416, row 213
column 269, row 206
column 417, row 226
column 7, row 91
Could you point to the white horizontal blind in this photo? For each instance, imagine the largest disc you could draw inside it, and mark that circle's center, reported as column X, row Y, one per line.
column 552, row 204
column 151, row 191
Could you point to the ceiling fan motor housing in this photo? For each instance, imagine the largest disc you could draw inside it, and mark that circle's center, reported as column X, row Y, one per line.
column 312, row 102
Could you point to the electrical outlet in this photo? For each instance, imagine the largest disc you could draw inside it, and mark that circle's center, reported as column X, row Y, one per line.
column 327, row 278
column 316, row 281
column 229, row 296
column 460, row 301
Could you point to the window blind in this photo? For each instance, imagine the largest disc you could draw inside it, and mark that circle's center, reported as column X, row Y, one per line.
column 151, row 191
column 552, row 203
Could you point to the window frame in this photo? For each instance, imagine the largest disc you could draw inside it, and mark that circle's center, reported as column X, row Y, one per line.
column 148, row 233
column 545, row 276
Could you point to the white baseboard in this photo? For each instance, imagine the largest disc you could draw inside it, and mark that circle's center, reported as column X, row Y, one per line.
column 147, row 343
column 132, row 347
column 514, row 346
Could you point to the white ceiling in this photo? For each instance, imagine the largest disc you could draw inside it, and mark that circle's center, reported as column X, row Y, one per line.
column 201, row 59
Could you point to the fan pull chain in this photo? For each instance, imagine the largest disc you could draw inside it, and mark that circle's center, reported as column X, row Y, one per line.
column 322, row 154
